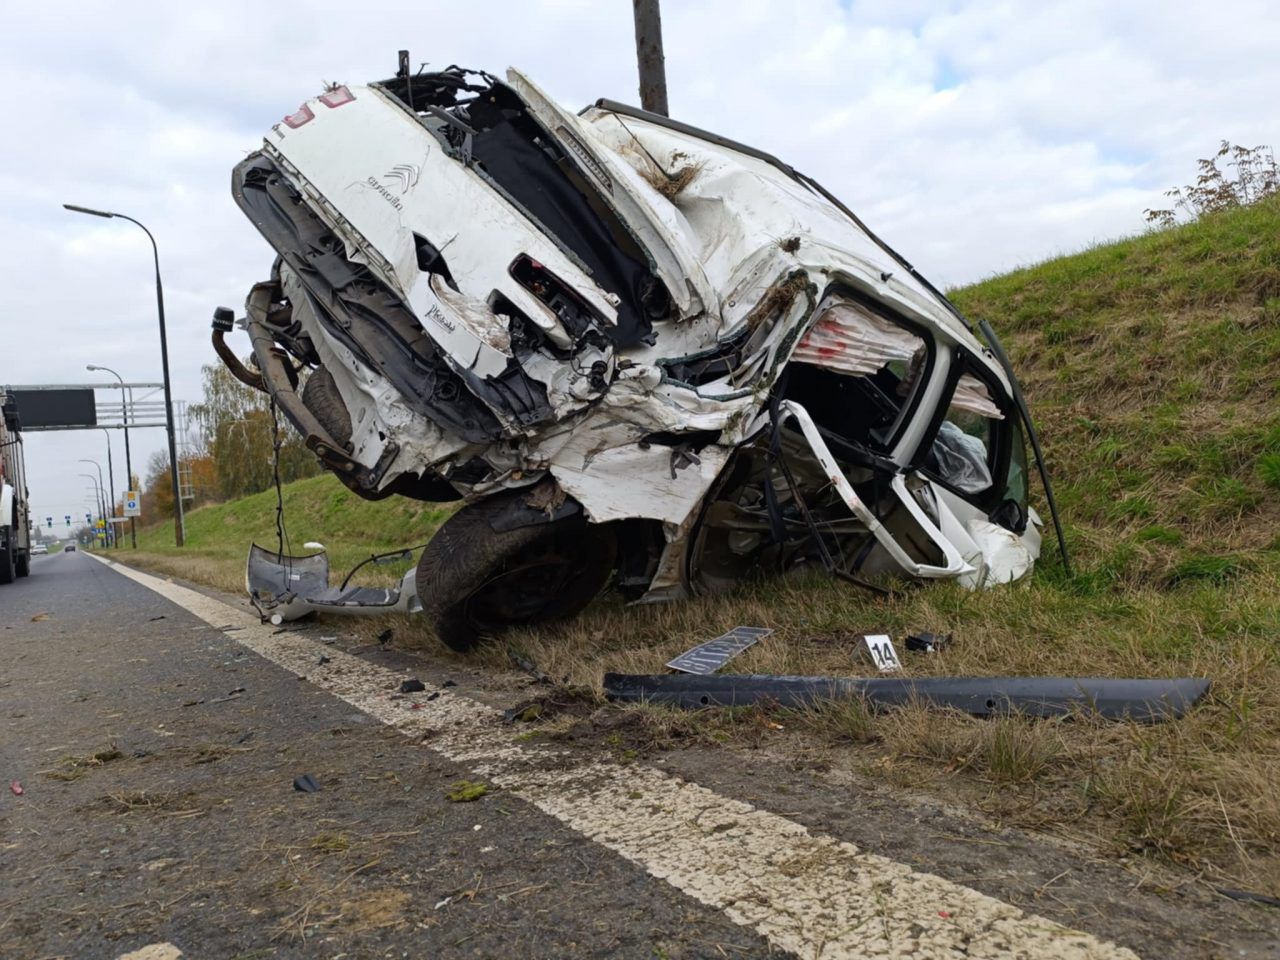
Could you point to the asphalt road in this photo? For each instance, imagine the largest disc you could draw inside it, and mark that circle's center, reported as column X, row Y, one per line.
column 196, row 836
column 155, row 740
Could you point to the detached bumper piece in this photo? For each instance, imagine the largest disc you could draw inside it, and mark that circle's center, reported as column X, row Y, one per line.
column 284, row 588
column 1142, row 701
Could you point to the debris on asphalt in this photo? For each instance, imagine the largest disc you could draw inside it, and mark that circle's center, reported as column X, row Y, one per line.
column 245, row 737
column 465, row 791
column 324, row 660
column 15, row 786
column 433, row 695
column 412, row 685
column 558, row 701
column 1248, row 896
column 924, row 642
column 305, row 783
column 524, row 712
column 76, row 767
column 1138, row 700
column 707, row 658
column 448, row 683
column 386, row 635
column 529, row 667
column 154, row 619
column 40, row 616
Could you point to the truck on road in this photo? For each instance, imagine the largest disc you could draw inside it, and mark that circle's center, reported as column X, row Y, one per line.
column 15, row 524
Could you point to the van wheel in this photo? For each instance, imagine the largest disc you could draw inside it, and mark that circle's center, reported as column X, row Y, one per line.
column 474, row 582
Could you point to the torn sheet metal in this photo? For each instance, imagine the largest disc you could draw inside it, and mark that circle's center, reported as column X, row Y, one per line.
column 1143, row 701
column 707, row 658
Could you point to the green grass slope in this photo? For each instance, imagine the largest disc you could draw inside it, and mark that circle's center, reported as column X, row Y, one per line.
column 1153, row 367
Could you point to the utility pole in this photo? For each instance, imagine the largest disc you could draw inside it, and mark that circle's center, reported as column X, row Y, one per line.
column 653, row 70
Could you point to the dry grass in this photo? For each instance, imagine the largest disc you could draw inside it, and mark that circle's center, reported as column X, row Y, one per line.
column 1199, row 791
column 74, row 767
column 670, row 185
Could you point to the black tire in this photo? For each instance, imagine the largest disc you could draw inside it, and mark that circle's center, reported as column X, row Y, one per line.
column 7, row 568
column 320, row 395
column 474, row 582
column 23, row 565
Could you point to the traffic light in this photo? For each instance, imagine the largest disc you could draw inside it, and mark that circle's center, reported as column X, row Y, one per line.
column 49, row 521
column 67, row 517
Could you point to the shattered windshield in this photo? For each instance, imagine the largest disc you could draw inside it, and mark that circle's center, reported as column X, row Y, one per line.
column 868, row 371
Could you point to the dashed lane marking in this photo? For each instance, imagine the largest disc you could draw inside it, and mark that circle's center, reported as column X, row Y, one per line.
column 807, row 893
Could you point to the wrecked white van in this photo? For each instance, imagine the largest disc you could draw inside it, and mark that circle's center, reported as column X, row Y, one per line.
column 640, row 353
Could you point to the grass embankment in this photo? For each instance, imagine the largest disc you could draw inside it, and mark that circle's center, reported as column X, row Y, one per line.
column 319, row 509
column 1152, row 366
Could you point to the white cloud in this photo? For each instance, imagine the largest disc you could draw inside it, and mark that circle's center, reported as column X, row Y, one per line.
column 973, row 135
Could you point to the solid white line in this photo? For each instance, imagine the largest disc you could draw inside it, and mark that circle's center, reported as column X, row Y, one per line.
column 809, row 894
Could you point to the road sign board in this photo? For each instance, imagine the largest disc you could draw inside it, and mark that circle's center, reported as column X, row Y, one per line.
column 40, row 409
column 132, row 504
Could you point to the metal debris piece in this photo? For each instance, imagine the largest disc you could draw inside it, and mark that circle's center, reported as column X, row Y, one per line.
column 924, row 642
column 1144, row 701
column 1248, row 896
column 707, row 658
column 306, row 783
column 284, row 588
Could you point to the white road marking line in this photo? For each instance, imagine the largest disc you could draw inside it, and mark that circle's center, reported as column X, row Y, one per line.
column 808, row 894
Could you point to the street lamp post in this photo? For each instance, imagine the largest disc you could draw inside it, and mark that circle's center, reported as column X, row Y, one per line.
column 98, row 489
column 102, row 491
column 128, row 461
column 179, row 525
column 111, row 489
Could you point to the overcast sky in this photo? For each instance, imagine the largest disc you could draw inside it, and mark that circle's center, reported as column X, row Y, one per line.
column 974, row 136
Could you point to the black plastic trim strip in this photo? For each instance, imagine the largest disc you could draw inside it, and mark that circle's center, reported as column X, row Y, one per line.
column 1142, row 700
